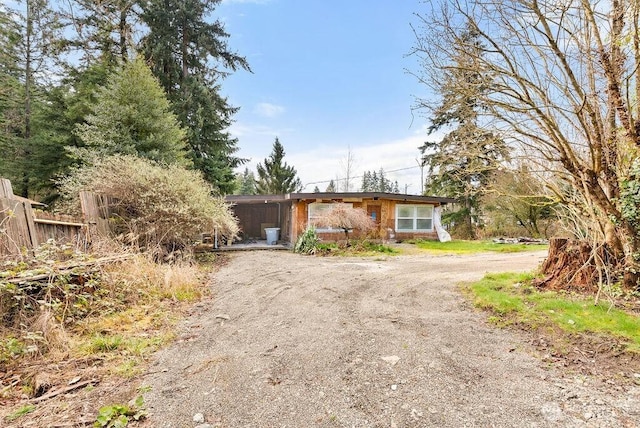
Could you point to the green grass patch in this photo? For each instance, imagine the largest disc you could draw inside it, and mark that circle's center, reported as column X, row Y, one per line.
column 24, row 410
column 470, row 247
column 355, row 248
column 126, row 345
column 128, row 369
column 512, row 300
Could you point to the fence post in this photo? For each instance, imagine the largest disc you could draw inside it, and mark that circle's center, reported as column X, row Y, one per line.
column 31, row 225
column 21, row 229
column 6, row 191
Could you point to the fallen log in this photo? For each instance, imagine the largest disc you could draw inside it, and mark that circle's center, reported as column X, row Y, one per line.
column 66, row 269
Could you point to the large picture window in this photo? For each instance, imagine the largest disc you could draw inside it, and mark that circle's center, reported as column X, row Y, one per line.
column 414, row 218
column 319, row 209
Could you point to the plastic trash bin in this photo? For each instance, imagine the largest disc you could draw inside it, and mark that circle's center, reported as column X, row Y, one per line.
column 272, row 235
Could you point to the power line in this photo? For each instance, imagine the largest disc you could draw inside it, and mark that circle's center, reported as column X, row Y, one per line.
column 358, row 176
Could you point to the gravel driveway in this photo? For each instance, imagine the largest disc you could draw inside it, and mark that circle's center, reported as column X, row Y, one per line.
column 296, row 341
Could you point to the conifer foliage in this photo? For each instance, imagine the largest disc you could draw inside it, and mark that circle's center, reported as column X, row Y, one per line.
column 373, row 181
column 188, row 53
column 132, row 116
column 55, row 60
column 460, row 165
column 275, row 176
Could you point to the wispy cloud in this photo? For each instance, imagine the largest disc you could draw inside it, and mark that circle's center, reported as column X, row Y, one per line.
column 268, row 110
column 397, row 158
column 318, row 164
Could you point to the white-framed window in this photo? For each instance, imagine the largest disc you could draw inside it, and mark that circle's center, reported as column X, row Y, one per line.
column 319, row 209
column 414, row 218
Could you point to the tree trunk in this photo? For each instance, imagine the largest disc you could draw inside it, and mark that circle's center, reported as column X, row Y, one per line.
column 27, row 101
column 631, row 277
column 612, row 239
column 123, row 34
column 570, row 266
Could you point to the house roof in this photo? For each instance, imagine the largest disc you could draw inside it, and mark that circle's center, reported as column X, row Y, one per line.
column 256, row 199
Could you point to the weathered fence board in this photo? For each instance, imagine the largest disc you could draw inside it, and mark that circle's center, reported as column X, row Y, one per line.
column 23, row 228
column 62, row 228
column 95, row 210
column 15, row 227
column 6, row 190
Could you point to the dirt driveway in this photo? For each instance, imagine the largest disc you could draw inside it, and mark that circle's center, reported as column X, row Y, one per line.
column 295, row 341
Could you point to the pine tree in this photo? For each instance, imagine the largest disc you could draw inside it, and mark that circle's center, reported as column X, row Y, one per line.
column 378, row 182
column 9, row 79
column 101, row 31
column 10, row 94
column 275, row 176
column 246, row 183
column 383, row 185
column 461, row 164
column 316, row 189
column 27, row 48
column 331, row 187
column 186, row 49
column 132, row 116
column 366, row 182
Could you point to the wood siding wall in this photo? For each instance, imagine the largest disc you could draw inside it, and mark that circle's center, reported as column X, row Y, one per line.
column 387, row 221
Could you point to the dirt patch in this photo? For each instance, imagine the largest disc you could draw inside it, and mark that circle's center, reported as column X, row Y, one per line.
column 300, row 341
column 294, row 341
column 601, row 358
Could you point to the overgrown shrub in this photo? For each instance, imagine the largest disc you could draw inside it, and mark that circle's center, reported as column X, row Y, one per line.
column 307, row 242
column 160, row 208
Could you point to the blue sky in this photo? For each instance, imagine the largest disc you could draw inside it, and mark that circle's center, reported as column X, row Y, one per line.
column 327, row 76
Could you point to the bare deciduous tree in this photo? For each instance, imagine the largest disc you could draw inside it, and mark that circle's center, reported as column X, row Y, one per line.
column 347, row 166
column 564, row 91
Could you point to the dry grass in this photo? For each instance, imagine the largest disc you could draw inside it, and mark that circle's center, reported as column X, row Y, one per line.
column 107, row 326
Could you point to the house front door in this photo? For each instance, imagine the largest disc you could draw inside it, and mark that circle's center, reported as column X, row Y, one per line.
column 374, row 212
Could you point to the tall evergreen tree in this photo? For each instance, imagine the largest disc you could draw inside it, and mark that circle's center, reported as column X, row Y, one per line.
column 246, row 183
column 275, row 176
column 367, row 184
column 132, row 116
column 103, row 31
column 461, row 164
column 10, row 97
column 373, row 181
column 186, row 50
column 331, row 187
column 28, row 40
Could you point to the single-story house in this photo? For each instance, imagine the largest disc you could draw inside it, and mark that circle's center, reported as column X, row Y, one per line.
column 398, row 216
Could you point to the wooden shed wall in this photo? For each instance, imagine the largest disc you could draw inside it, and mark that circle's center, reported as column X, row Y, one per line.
column 253, row 218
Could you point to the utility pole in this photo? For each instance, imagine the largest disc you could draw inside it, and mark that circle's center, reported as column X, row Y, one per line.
column 421, row 163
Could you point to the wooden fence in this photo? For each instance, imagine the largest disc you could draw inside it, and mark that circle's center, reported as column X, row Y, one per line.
column 23, row 228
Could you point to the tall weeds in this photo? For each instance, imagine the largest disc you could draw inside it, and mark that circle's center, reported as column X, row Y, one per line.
column 59, row 316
